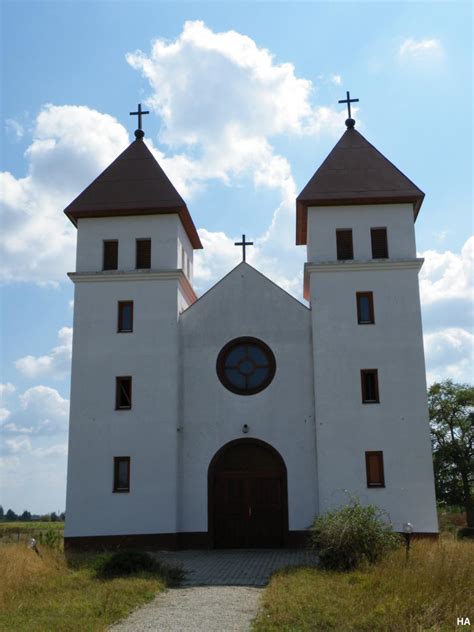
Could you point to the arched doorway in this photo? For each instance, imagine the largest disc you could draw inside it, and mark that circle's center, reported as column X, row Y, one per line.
column 247, row 496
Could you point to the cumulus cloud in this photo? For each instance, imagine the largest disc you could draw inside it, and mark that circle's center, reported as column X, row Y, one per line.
column 447, row 275
column 33, row 451
column 56, row 363
column 40, row 410
column 71, row 146
column 226, row 135
column 447, row 298
column 6, row 389
column 412, row 48
column 449, row 354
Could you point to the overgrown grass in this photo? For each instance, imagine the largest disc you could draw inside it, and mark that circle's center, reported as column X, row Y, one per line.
column 429, row 592
column 45, row 594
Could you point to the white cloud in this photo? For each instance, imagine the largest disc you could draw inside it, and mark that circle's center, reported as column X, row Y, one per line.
column 336, row 79
column 446, row 275
column 226, row 132
column 56, row 363
column 44, row 403
column 449, row 354
column 71, row 146
column 15, row 128
column 4, row 414
column 6, row 389
column 412, row 48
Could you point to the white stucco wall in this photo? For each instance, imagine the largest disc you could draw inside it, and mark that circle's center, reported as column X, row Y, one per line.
column 247, row 304
column 147, row 433
column 398, row 425
column 325, row 220
column 165, row 231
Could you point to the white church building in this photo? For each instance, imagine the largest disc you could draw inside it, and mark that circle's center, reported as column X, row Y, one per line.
column 233, row 419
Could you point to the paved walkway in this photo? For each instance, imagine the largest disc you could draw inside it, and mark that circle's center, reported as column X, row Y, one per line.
column 221, row 591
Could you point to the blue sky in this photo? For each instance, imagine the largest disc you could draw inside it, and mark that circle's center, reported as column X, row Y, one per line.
column 243, row 100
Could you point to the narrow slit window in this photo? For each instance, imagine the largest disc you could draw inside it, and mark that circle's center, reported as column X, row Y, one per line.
column 121, row 474
column 110, row 254
column 123, row 394
column 365, row 308
column 143, row 254
column 379, row 243
column 374, row 469
column 344, row 244
column 125, row 317
column 370, row 386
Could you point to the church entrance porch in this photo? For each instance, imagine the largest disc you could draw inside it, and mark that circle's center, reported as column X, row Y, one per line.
column 248, row 503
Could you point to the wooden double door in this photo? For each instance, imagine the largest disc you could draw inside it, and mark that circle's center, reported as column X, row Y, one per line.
column 248, row 498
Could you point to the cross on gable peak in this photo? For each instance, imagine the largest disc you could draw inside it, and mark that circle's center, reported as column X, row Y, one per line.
column 243, row 243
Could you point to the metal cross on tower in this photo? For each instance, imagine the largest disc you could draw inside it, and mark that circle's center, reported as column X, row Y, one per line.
column 243, row 243
column 139, row 133
column 350, row 121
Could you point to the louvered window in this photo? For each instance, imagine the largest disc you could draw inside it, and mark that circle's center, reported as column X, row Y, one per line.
column 370, row 386
column 110, row 255
column 379, row 243
column 374, row 469
column 143, row 254
column 344, row 244
column 123, row 393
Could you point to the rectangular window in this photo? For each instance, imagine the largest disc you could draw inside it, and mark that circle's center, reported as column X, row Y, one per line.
column 110, row 258
column 379, row 243
column 365, row 308
column 374, row 468
column 125, row 316
column 143, row 254
column 344, row 244
column 123, row 393
column 370, row 386
column 121, row 473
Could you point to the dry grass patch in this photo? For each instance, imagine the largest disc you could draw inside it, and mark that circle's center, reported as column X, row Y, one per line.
column 429, row 593
column 43, row 594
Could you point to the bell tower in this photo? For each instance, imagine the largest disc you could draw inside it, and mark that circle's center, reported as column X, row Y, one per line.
column 356, row 217
column 133, row 277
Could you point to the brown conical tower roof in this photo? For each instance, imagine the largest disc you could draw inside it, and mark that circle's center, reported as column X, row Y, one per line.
column 134, row 184
column 354, row 173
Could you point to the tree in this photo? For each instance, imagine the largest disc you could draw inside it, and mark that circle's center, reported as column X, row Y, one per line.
column 452, row 433
column 25, row 516
column 2, row 513
column 11, row 516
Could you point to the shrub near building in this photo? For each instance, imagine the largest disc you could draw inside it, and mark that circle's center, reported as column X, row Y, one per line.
column 353, row 535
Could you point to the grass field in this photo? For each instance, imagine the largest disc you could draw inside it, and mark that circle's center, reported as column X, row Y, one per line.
column 11, row 532
column 45, row 594
column 429, row 592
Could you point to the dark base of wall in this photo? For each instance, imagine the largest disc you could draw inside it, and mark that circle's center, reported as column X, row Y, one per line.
column 162, row 541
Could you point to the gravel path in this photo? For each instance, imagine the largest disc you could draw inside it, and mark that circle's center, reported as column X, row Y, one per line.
column 196, row 609
column 220, row 593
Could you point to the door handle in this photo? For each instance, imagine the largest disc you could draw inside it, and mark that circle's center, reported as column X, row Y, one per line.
column 250, row 511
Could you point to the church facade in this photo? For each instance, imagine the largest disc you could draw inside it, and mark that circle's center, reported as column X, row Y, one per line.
column 233, row 419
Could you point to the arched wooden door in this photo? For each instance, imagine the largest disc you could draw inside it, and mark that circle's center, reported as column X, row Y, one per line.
column 248, row 502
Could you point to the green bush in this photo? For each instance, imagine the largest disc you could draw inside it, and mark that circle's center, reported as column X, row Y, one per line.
column 121, row 563
column 351, row 536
